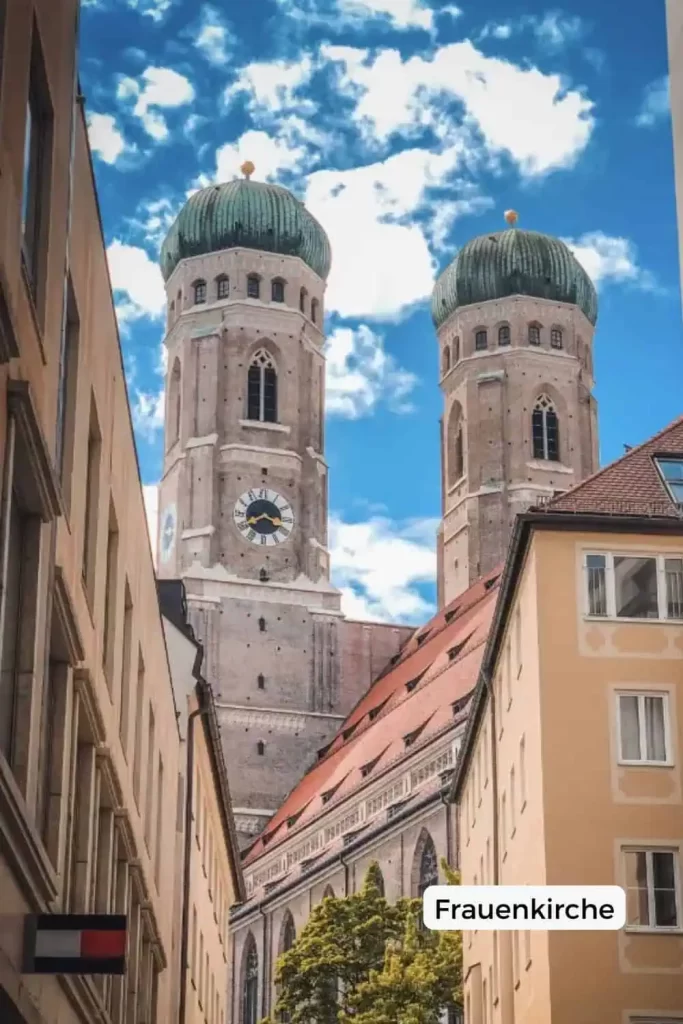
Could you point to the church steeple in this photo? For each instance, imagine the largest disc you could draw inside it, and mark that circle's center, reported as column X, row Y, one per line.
column 515, row 314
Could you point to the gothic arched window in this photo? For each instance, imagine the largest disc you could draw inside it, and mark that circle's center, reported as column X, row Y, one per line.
column 250, row 983
column 545, row 430
column 328, row 893
column 222, row 286
column 262, row 388
column 504, row 334
column 425, row 865
column 534, row 334
column 174, row 403
column 481, row 340
column 260, row 748
column 288, row 933
column 277, row 290
column 302, row 300
column 199, row 292
column 314, row 310
column 556, row 337
column 445, row 360
column 455, row 449
column 253, row 286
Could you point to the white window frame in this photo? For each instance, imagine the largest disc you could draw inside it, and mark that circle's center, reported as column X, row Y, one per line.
column 677, row 929
column 610, row 584
column 641, row 695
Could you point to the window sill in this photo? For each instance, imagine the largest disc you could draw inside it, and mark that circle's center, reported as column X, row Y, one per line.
column 633, row 929
column 619, row 619
column 549, row 465
column 278, row 428
column 645, row 764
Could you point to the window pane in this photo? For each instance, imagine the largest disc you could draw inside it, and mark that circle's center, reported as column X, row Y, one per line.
column 674, row 586
column 254, row 393
column 538, row 434
column 655, row 737
column 672, row 469
column 480, row 340
column 270, row 396
column 677, row 492
column 629, row 728
column 597, row 592
column 553, row 435
column 635, row 582
column 637, row 912
column 663, row 879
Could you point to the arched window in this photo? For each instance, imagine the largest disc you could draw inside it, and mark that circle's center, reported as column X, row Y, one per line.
column 199, row 292
column 445, row 360
column 288, row 933
column 253, row 287
column 277, row 290
column 314, row 310
column 455, row 453
column 534, row 334
column 545, row 432
column 174, row 403
column 556, row 337
column 425, row 865
column 222, row 286
column 262, row 625
column 260, row 748
column 302, row 300
column 456, row 350
column 261, row 681
column 262, row 388
column 250, row 983
column 504, row 334
column 481, row 340
column 328, row 893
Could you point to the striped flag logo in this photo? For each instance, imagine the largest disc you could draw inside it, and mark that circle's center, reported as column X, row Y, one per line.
column 75, row 944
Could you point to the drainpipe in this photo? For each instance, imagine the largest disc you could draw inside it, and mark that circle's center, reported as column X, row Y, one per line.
column 345, row 865
column 182, row 998
column 264, row 979
column 449, row 824
column 494, row 773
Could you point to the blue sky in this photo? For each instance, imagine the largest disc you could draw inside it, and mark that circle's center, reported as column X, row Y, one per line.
column 407, row 126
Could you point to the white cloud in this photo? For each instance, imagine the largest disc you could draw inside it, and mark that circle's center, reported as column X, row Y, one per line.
column 161, row 88
column 153, row 219
column 269, row 154
column 403, row 14
column 656, row 104
column 273, row 86
column 154, row 9
column 609, row 258
column 105, row 138
column 150, row 493
column 451, row 10
column 213, row 38
column 148, row 413
column 360, row 373
column 381, row 263
column 379, row 564
column 532, row 116
column 137, row 282
column 554, row 30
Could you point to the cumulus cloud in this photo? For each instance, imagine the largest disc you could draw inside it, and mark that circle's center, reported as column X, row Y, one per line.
column 554, row 30
column 379, row 566
column 105, row 138
column 154, row 9
column 213, row 38
column 655, row 106
column 381, row 260
column 533, row 117
column 343, row 14
column 157, row 89
column 148, row 413
column 274, row 86
column 608, row 258
column 136, row 281
column 360, row 373
column 270, row 154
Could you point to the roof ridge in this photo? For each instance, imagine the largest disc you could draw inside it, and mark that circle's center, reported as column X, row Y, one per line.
column 616, row 462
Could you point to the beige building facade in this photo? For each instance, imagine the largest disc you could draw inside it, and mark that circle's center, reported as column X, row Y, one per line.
column 571, row 770
column 90, row 746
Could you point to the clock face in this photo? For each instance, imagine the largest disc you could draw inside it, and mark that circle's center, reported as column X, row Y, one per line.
column 263, row 517
column 168, row 530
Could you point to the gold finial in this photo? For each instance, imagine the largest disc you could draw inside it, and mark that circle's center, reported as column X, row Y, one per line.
column 247, row 169
column 511, row 216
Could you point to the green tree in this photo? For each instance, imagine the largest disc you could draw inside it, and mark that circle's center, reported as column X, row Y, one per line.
column 364, row 960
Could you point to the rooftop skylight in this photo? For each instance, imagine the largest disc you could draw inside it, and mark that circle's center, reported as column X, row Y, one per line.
column 671, row 470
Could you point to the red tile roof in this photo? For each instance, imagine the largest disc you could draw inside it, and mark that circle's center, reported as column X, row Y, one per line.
column 411, row 701
column 630, row 486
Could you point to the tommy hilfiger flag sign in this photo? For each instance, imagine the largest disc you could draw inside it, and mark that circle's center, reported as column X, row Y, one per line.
column 75, row 944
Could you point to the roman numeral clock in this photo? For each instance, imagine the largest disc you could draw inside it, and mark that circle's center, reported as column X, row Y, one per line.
column 263, row 517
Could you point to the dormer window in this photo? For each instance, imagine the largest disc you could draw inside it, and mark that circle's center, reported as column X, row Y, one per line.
column 199, row 292
column 253, row 287
column 671, row 470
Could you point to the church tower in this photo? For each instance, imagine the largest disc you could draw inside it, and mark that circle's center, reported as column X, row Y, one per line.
column 515, row 314
column 243, row 497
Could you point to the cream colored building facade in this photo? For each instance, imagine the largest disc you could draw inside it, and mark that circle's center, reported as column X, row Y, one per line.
column 572, row 766
column 90, row 747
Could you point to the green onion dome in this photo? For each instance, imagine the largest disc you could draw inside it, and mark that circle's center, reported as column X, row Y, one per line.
column 246, row 214
column 513, row 262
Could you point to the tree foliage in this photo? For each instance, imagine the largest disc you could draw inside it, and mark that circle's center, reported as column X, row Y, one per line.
column 362, row 960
